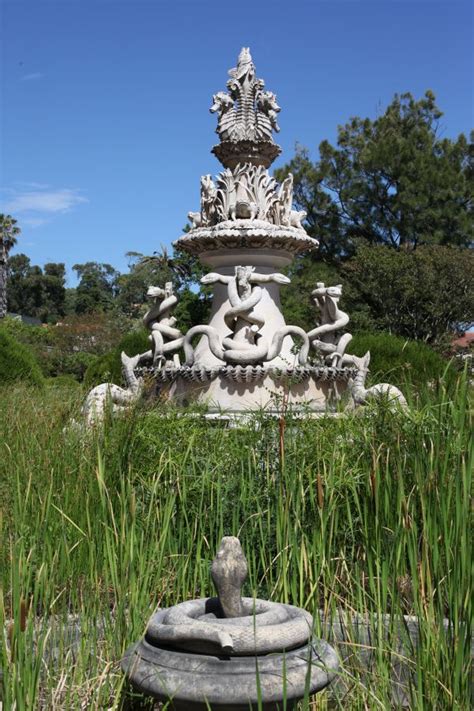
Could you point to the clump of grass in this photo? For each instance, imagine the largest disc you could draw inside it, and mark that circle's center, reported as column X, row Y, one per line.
column 361, row 515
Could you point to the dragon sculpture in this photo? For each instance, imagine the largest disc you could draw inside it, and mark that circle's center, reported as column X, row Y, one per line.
column 108, row 395
column 165, row 338
column 362, row 395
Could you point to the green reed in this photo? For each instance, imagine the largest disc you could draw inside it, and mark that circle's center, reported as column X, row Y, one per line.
column 364, row 515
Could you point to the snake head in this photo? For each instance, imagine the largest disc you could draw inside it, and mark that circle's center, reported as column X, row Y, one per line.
column 229, row 571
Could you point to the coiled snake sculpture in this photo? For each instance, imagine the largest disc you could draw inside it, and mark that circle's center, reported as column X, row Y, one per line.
column 246, row 345
column 230, row 624
column 165, row 338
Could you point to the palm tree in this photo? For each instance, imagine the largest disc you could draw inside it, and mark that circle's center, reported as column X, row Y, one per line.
column 8, row 233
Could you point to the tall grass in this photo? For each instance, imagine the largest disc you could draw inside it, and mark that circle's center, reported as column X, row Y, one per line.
column 362, row 515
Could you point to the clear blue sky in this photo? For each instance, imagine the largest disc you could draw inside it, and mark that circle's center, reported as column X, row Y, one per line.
column 106, row 128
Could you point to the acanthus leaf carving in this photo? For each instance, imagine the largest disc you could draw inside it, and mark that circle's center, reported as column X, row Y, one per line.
column 248, row 192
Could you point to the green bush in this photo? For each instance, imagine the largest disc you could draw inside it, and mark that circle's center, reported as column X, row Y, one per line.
column 398, row 360
column 108, row 367
column 17, row 362
column 66, row 380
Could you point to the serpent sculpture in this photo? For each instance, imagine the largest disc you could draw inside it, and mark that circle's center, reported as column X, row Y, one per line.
column 165, row 338
column 230, row 653
column 362, row 395
column 246, row 345
column 324, row 338
column 120, row 399
column 260, row 627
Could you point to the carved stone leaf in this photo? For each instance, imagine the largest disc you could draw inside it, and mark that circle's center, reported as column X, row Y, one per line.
column 225, row 196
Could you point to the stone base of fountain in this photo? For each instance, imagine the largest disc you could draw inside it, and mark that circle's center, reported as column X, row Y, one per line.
column 229, row 683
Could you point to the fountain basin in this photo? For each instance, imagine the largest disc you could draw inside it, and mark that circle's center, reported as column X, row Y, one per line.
column 196, row 681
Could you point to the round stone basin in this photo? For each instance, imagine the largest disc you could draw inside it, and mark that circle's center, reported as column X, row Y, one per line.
column 196, row 681
column 230, row 652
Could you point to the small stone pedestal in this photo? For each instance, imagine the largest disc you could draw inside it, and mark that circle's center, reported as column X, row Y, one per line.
column 230, row 653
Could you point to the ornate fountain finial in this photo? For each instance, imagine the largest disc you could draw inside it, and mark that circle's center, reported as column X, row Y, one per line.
column 247, row 118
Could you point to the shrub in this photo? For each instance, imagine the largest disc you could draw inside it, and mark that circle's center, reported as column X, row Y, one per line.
column 17, row 362
column 108, row 367
column 64, row 381
column 398, row 360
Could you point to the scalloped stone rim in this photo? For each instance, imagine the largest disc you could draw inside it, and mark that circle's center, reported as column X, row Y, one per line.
column 247, row 234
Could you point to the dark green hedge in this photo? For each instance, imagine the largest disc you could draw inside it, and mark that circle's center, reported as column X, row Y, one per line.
column 17, row 362
column 108, row 368
column 397, row 360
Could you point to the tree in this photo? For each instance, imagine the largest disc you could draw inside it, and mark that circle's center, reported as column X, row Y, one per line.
column 97, row 287
column 393, row 180
column 181, row 269
column 8, row 238
column 323, row 221
column 424, row 294
column 34, row 291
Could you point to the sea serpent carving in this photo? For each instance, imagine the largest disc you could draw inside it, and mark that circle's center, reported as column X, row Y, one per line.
column 165, row 338
column 324, row 338
column 120, row 399
column 261, row 627
column 362, row 395
column 245, row 345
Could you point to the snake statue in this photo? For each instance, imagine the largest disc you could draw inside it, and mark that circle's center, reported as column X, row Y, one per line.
column 246, row 344
column 324, row 338
column 120, row 399
column 165, row 338
column 230, row 624
column 362, row 395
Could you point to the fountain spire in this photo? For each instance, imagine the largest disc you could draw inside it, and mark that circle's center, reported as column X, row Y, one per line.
column 247, row 117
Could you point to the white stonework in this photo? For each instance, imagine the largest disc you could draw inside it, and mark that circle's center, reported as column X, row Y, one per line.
column 246, row 231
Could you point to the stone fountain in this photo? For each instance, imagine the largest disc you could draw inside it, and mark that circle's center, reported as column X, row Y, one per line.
column 247, row 357
column 230, row 653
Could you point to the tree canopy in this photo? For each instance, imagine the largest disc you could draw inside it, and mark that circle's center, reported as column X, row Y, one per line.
column 394, row 180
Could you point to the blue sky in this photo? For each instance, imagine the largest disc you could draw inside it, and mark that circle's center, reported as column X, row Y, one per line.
column 106, row 128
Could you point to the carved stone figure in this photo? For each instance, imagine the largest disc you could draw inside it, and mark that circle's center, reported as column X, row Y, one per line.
column 362, row 395
column 282, row 206
column 109, row 395
column 196, row 219
column 228, row 571
column 208, row 200
column 296, row 218
column 325, row 338
column 223, row 104
column 267, row 110
column 245, row 345
column 230, row 652
column 165, row 338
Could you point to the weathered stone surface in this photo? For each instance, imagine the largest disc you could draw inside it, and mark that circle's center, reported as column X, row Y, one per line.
column 195, row 681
